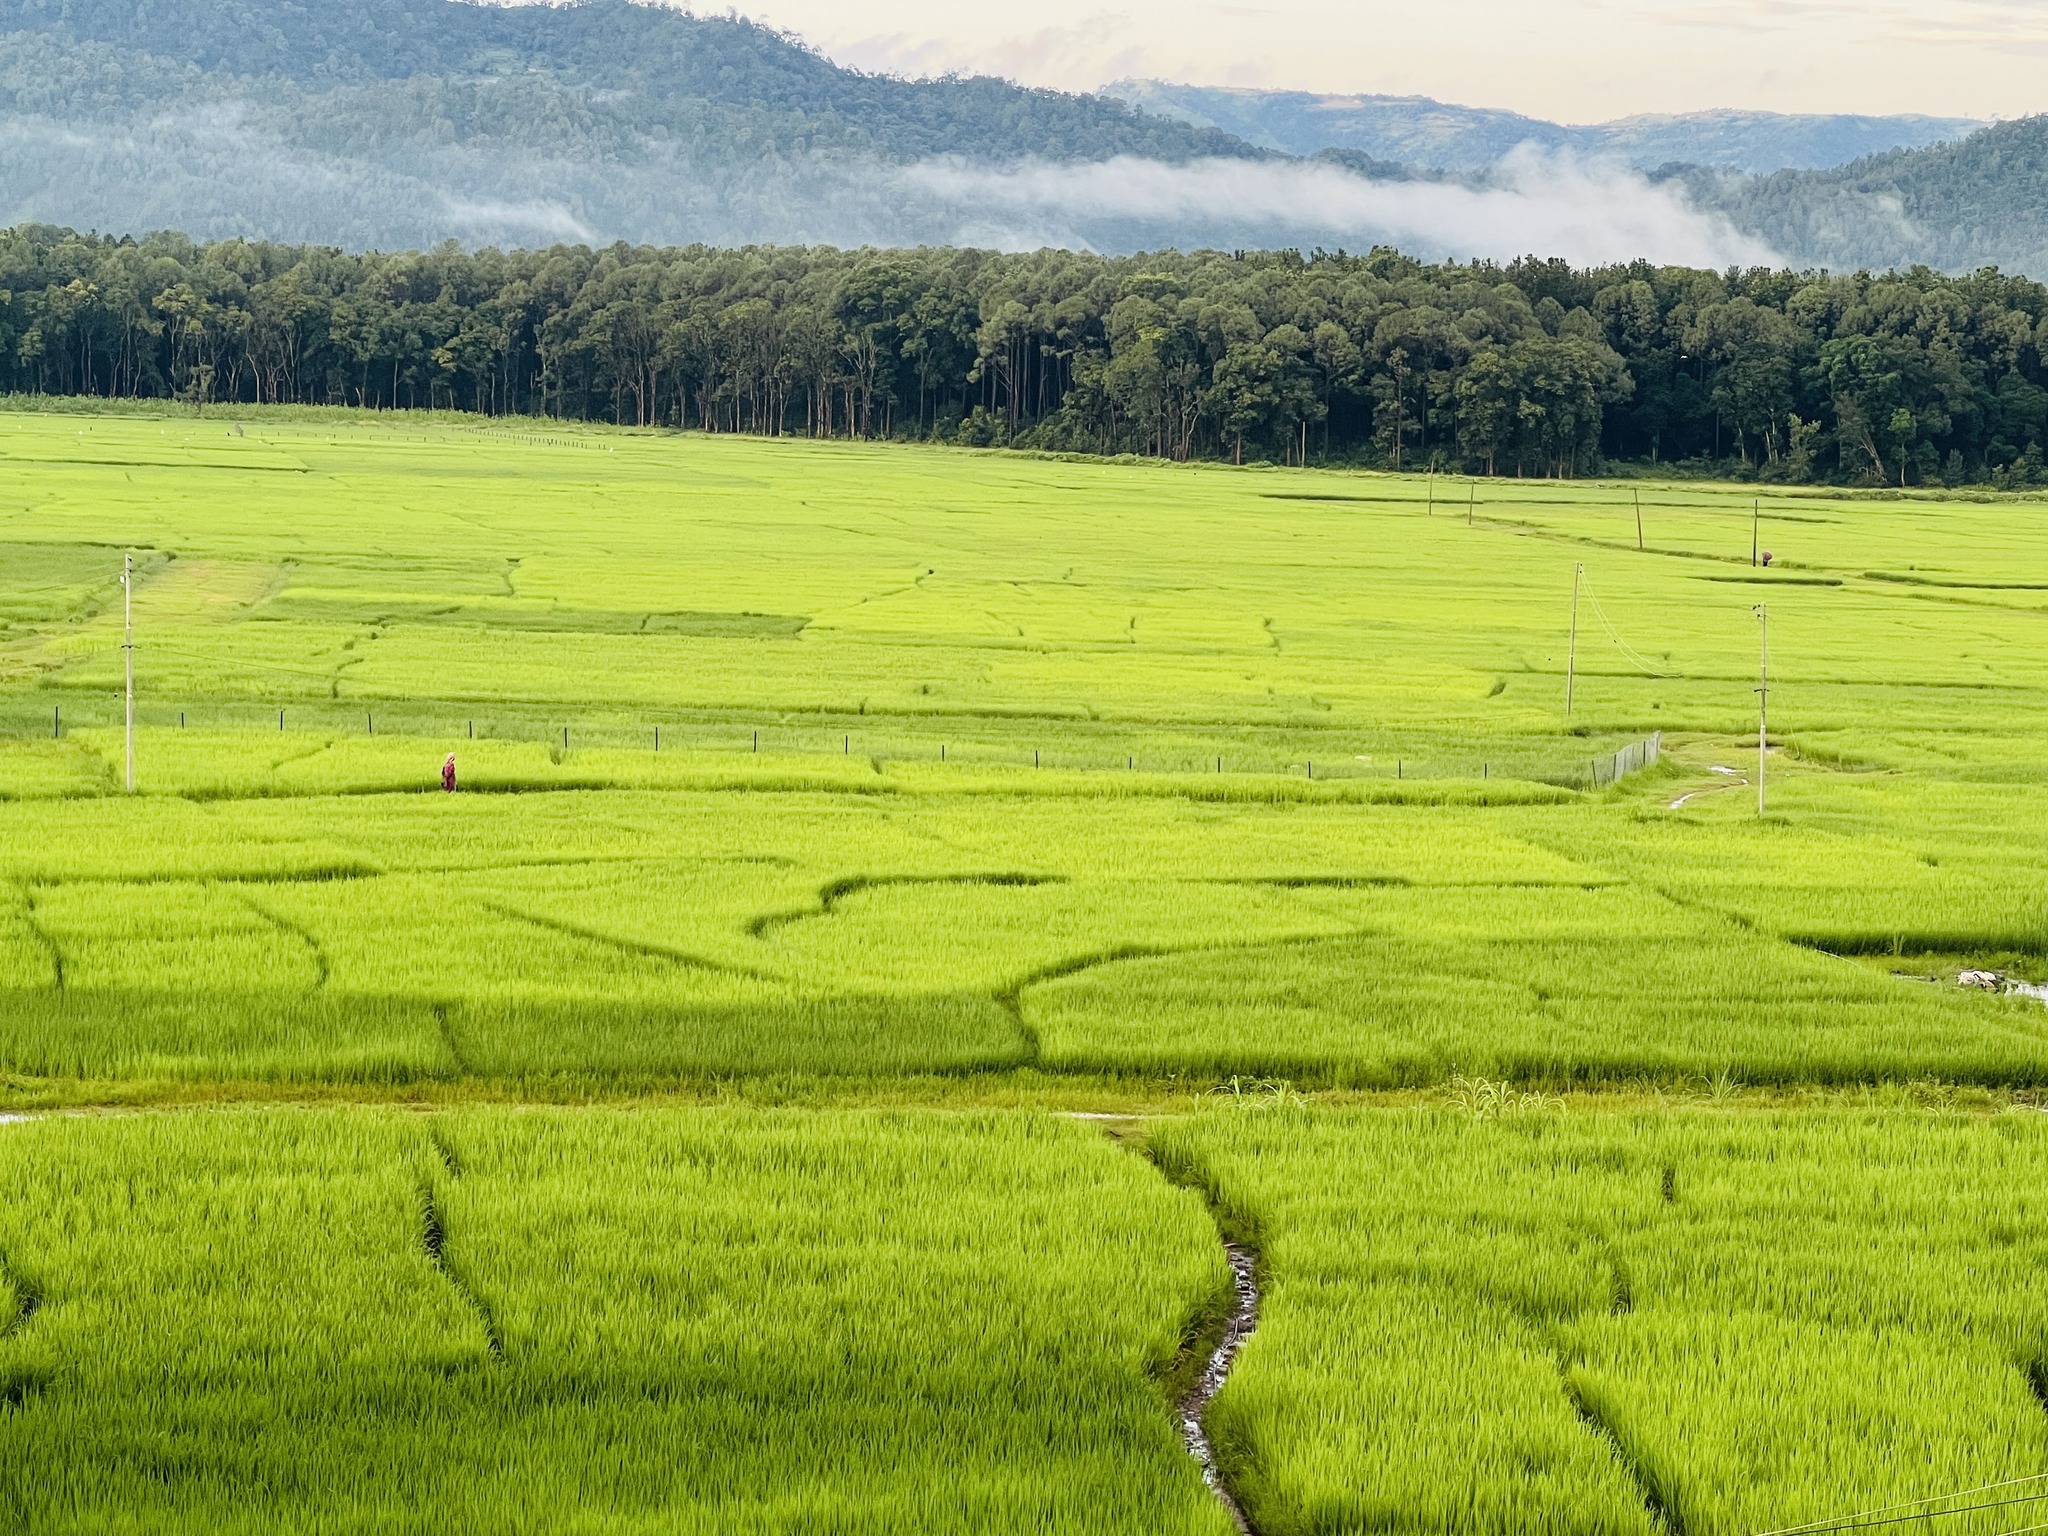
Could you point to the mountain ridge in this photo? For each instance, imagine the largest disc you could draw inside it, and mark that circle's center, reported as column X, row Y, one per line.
column 403, row 123
column 1427, row 134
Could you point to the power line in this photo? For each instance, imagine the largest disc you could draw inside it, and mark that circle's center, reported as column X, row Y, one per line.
column 1615, row 635
column 1926, row 1514
column 1839, row 1522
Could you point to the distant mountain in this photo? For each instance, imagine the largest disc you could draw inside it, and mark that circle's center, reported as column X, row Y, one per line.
column 1433, row 135
column 1982, row 201
column 405, row 122
column 603, row 65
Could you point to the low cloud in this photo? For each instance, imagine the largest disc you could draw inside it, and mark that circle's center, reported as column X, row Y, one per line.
column 496, row 219
column 1535, row 203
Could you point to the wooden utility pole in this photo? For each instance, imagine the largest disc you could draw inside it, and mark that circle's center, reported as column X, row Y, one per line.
column 1471, row 495
column 128, row 650
column 1571, row 655
column 1430, row 509
column 1763, row 700
column 1639, row 522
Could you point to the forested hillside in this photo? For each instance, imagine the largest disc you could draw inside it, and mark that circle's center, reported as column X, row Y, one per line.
column 610, row 68
column 1437, row 135
column 1529, row 369
column 1980, row 201
column 396, row 124
column 404, row 122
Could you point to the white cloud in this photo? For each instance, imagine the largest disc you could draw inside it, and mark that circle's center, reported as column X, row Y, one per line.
column 1538, row 204
column 499, row 220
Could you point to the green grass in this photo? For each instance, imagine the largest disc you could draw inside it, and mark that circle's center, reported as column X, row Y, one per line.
column 1703, row 1322
column 351, row 1320
column 973, row 763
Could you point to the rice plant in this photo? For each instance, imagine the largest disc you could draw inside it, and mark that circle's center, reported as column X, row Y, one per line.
column 1692, row 1321
column 527, row 1320
column 775, row 758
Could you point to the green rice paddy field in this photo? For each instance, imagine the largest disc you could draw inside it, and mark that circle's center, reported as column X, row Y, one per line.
column 675, row 1128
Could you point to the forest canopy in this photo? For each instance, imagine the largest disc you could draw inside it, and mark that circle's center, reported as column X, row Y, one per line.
column 1531, row 368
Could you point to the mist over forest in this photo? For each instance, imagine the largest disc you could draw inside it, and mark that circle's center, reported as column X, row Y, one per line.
column 393, row 124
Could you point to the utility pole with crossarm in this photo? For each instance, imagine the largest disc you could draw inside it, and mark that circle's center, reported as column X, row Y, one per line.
column 128, row 650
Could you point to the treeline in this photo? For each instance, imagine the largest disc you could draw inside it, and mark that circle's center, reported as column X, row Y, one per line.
column 1533, row 368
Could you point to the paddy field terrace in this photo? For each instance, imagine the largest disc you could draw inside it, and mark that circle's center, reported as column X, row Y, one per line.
column 697, row 1122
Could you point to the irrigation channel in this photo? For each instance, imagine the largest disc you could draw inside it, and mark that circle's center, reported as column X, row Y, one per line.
column 1244, row 1317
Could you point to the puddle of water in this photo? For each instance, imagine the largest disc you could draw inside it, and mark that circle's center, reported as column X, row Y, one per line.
column 1244, row 1317
column 6, row 1119
column 2008, row 986
column 1715, row 789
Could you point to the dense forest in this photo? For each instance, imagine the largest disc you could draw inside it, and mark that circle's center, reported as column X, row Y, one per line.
column 1532, row 368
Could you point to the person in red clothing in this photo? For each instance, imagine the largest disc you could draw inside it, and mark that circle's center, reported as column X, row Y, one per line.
column 448, row 774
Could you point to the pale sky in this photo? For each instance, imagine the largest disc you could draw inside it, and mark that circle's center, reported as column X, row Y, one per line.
column 1569, row 60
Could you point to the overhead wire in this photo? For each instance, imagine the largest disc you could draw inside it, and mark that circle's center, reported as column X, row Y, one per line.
column 1868, row 1516
column 241, row 663
column 1614, row 634
column 1853, row 1524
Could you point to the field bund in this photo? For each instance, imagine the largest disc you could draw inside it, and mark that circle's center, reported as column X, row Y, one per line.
column 1617, row 1159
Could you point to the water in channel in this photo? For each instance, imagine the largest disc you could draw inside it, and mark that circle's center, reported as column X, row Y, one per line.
column 1244, row 1317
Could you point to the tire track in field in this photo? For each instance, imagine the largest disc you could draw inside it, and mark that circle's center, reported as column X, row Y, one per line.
column 17, row 1385
column 642, row 948
column 286, row 926
column 1663, row 1513
column 28, row 1300
column 434, row 1238
column 1012, row 996
column 43, row 936
column 458, row 1058
column 832, row 892
column 1657, row 1500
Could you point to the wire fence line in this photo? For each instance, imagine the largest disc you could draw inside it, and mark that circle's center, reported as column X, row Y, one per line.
column 1612, row 767
column 1088, row 747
